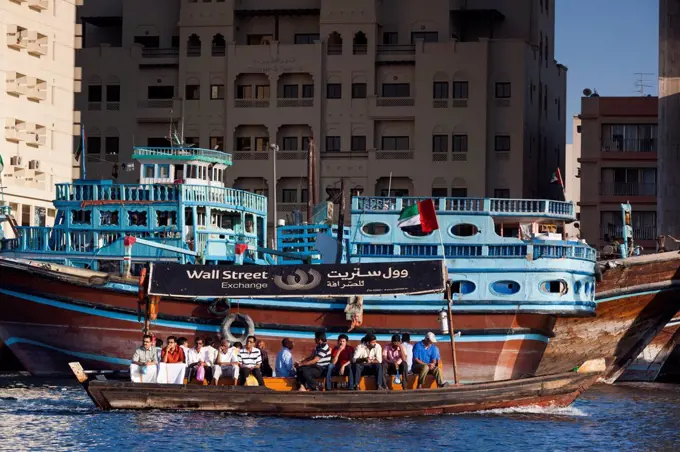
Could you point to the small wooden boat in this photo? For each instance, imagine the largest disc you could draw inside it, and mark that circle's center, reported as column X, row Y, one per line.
column 551, row 390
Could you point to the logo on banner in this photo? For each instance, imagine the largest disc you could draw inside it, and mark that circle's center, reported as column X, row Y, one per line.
column 299, row 280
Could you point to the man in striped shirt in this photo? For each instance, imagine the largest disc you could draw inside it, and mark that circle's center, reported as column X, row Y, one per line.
column 316, row 365
column 250, row 361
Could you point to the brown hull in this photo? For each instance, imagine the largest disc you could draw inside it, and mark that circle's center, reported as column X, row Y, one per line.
column 100, row 328
column 556, row 390
column 635, row 302
column 649, row 363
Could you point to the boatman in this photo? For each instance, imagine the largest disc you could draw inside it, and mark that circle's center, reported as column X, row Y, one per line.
column 144, row 362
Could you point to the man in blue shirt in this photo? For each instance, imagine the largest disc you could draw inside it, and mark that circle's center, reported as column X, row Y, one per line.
column 284, row 360
column 426, row 360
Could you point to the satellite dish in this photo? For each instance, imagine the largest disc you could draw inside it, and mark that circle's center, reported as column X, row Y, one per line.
column 587, row 92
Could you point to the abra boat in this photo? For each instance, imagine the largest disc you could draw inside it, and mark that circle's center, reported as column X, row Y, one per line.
column 68, row 291
column 554, row 391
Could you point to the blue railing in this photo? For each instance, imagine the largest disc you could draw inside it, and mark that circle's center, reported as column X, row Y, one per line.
column 492, row 206
column 203, row 194
column 183, row 153
column 302, row 240
column 117, row 192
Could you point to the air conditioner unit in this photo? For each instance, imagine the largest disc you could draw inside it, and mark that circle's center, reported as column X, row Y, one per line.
column 15, row 161
column 34, row 164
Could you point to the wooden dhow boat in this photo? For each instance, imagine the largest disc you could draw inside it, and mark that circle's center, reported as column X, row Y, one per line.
column 548, row 391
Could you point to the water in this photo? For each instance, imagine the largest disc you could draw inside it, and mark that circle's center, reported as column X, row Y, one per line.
column 39, row 414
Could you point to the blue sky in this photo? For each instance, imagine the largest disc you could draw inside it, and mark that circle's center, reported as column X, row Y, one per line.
column 604, row 43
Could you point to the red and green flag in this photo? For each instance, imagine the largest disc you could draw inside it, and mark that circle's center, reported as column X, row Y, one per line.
column 419, row 217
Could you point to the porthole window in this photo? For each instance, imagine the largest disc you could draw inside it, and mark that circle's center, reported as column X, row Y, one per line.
column 375, row 229
column 464, row 230
column 462, row 287
column 559, row 287
column 505, row 287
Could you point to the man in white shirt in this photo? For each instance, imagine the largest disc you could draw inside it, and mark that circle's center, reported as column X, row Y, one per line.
column 367, row 359
column 406, row 343
column 227, row 361
column 199, row 356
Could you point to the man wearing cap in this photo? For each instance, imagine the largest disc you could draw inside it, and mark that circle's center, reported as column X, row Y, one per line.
column 426, row 359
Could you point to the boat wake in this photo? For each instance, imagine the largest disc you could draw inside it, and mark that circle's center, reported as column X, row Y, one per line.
column 569, row 411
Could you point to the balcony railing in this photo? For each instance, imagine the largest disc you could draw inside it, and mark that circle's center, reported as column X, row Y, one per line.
column 251, row 103
column 160, row 53
column 209, row 155
column 285, row 102
column 229, row 196
column 639, row 233
column 155, row 103
column 250, row 155
column 629, row 145
column 403, row 49
column 627, row 189
column 395, row 102
column 386, row 154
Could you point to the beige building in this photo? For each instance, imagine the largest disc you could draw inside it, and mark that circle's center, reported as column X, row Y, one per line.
column 37, row 82
column 618, row 165
column 448, row 100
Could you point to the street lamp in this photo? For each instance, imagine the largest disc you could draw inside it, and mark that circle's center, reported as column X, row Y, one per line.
column 275, row 149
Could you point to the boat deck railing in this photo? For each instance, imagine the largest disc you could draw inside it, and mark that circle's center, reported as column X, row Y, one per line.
column 491, row 206
column 182, row 153
column 201, row 194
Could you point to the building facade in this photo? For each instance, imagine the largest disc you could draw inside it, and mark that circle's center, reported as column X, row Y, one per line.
column 618, row 165
column 448, row 100
column 37, row 83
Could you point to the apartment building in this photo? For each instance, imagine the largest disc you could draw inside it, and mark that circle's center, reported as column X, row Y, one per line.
column 37, row 82
column 618, row 165
column 455, row 99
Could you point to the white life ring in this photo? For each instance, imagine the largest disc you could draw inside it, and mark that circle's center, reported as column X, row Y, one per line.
column 241, row 318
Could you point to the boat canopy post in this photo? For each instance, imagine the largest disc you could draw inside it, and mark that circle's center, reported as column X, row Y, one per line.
column 452, row 333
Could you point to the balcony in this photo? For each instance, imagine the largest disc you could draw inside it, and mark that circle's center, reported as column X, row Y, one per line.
column 396, row 53
column 39, row 5
column 627, row 189
column 629, row 145
column 294, row 103
column 251, row 103
column 395, row 102
column 385, row 154
column 639, row 232
column 251, row 155
column 156, row 56
column 292, row 155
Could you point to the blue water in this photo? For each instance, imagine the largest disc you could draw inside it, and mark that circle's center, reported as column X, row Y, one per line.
column 58, row 415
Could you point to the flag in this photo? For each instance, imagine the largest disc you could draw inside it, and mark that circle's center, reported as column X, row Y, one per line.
column 2, row 164
column 420, row 216
column 557, row 178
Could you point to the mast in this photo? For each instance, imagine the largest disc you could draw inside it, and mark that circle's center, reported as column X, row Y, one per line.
column 83, row 171
column 310, row 183
column 341, row 222
column 315, row 179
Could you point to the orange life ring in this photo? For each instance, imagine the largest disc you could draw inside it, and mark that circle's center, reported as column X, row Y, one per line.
column 142, row 290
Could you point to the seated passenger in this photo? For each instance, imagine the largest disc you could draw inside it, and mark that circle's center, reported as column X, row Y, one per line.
column 394, row 361
column 284, row 360
column 250, row 362
column 172, row 368
column 199, row 356
column 266, row 367
column 316, row 365
column 159, row 347
column 227, row 361
column 408, row 347
column 368, row 360
column 426, row 359
column 144, row 362
column 172, row 353
column 212, row 344
column 182, row 342
column 341, row 362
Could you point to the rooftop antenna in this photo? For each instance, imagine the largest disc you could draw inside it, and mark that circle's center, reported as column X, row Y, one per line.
column 641, row 83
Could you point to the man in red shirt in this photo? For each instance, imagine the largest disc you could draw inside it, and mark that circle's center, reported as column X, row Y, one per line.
column 172, row 353
column 341, row 362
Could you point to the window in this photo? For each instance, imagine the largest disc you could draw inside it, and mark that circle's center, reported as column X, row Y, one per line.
column 501, row 193
column 256, row 40
column 395, row 143
column 137, row 218
column 629, row 181
column 164, row 171
column 243, row 143
column 113, row 93
column 304, row 195
column 305, row 143
column 149, row 170
column 94, row 93
column 289, row 195
column 460, row 143
column 396, row 90
column 333, row 144
column 112, row 145
column 439, row 192
column 459, row 192
column 216, row 92
column 160, row 92
column 440, row 143
column 629, row 137
column 391, row 38
column 427, row 36
column 358, row 143
column 261, row 143
column 358, row 91
column 290, row 143
column 502, row 143
column 217, row 143
column 503, row 90
column 148, row 41
column 166, row 218
column 244, row 92
column 460, row 90
column 306, row 38
column 290, row 91
column 77, row 216
column 262, row 92
column 644, row 224
column 94, row 145
column 333, row 91
column 108, row 218
column 440, row 90
column 307, row 91
column 193, row 92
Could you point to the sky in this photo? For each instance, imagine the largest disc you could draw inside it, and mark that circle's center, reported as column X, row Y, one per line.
column 604, row 43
